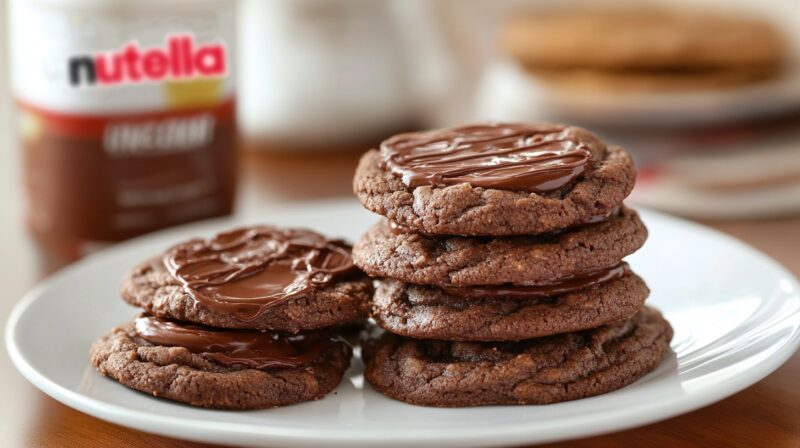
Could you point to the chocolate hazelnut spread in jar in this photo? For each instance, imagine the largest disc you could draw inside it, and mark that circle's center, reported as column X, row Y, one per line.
column 126, row 115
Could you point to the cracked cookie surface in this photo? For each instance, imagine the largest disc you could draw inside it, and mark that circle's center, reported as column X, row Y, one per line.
column 537, row 371
column 151, row 287
column 431, row 313
column 177, row 374
column 465, row 210
column 466, row 261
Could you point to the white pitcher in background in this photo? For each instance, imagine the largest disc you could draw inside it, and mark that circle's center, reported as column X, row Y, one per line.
column 332, row 71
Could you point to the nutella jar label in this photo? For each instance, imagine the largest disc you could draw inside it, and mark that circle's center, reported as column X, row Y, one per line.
column 126, row 115
column 179, row 59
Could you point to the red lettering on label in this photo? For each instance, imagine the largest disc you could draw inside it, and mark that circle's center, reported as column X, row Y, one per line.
column 109, row 69
column 179, row 58
column 210, row 61
column 155, row 64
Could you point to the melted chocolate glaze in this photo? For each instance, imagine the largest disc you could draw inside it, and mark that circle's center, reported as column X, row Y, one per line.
column 235, row 348
column 564, row 286
column 538, row 158
column 245, row 271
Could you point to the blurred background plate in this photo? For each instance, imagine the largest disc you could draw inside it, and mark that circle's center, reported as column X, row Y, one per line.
column 508, row 93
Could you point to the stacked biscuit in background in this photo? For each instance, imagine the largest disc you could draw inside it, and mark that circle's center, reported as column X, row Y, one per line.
column 250, row 318
column 500, row 267
column 646, row 49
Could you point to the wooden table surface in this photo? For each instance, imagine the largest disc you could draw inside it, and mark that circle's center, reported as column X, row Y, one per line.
column 765, row 415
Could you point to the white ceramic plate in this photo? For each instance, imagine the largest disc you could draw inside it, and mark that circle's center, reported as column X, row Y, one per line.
column 736, row 315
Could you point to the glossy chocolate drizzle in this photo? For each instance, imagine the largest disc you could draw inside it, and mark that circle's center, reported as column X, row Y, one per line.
column 235, row 348
column 524, row 157
column 563, row 286
column 245, row 271
column 600, row 218
column 399, row 229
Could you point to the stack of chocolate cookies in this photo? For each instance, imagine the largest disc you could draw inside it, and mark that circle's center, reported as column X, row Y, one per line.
column 243, row 320
column 499, row 266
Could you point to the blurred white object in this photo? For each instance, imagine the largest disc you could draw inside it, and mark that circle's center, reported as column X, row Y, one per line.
column 738, row 170
column 673, row 197
column 329, row 70
column 508, row 92
column 749, row 172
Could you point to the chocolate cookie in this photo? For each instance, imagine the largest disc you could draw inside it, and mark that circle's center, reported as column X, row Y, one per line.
column 506, row 313
column 258, row 277
column 494, row 179
column 642, row 39
column 223, row 369
column 385, row 251
column 535, row 371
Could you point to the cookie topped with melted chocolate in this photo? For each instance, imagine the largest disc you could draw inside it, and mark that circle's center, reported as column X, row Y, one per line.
column 259, row 277
column 494, row 179
column 221, row 368
column 539, row 158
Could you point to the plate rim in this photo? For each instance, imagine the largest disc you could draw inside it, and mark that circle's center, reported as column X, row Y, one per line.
column 519, row 432
column 661, row 110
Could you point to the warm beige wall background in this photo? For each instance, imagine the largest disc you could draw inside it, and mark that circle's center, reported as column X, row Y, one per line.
column 18, row 260
column 8, row 153
column 10, row 179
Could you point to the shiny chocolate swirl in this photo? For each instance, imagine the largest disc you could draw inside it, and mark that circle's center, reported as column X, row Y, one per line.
column 235, row 348
column 399, row 229
column 563, row 286
column 537, row 158
column 245, row 271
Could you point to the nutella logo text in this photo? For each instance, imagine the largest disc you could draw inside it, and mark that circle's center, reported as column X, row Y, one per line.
column 180, row 58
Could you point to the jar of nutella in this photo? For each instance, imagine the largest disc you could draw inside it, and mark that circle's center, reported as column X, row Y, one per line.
column 126, row 115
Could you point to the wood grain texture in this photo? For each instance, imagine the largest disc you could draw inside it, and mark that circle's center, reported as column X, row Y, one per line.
column 764, row 415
